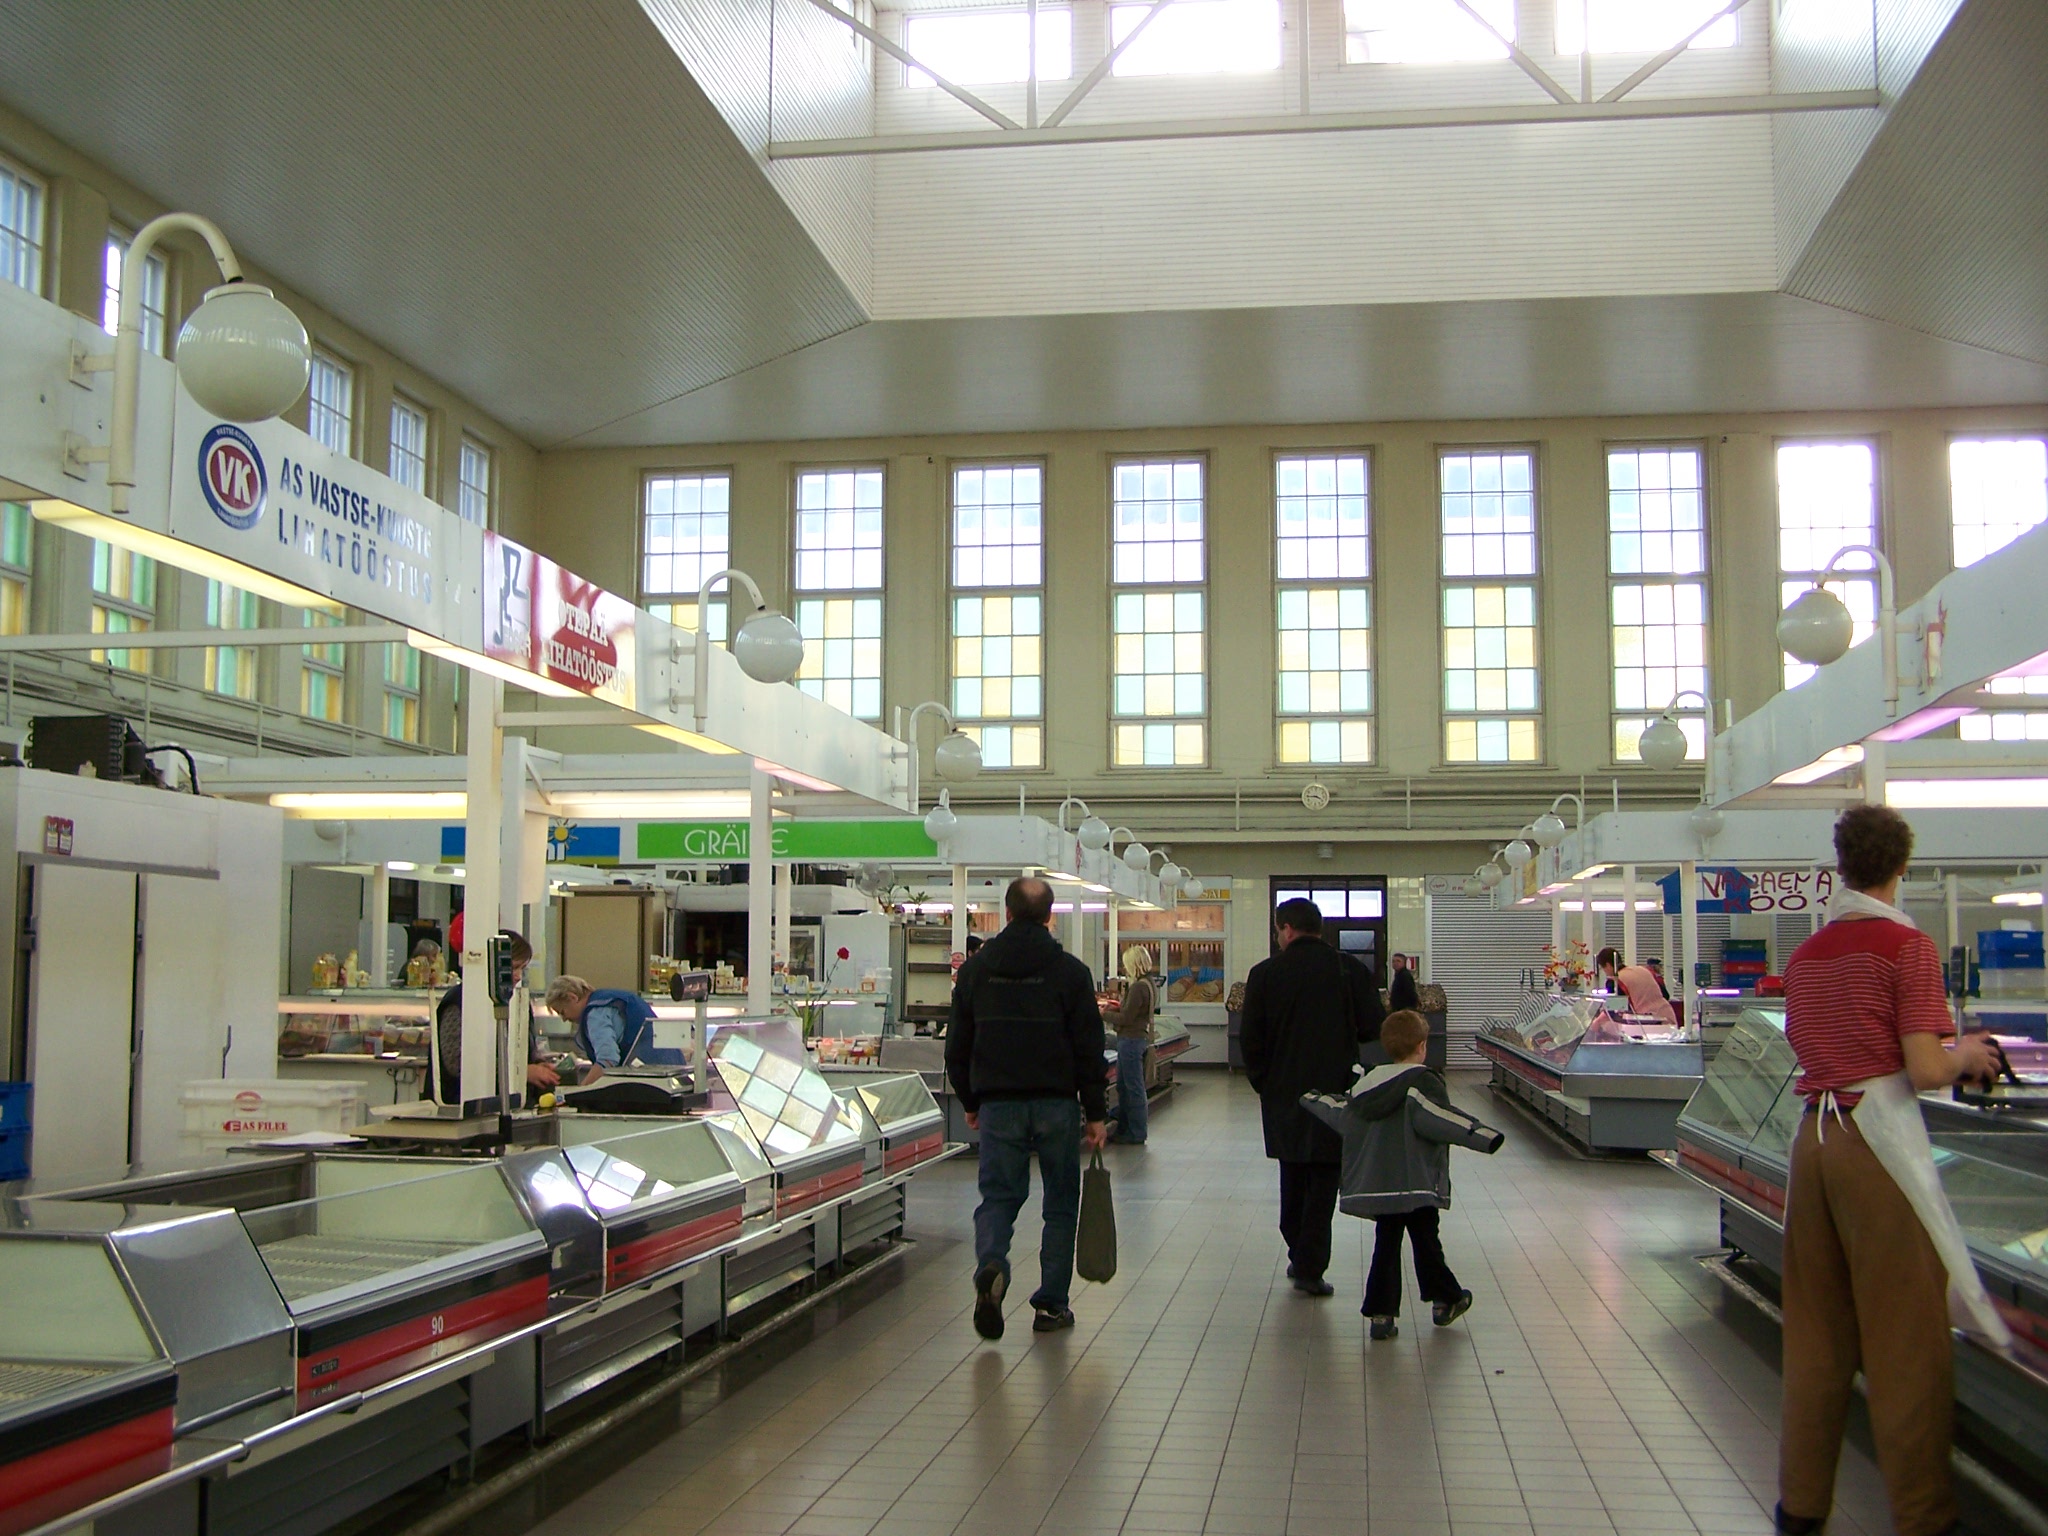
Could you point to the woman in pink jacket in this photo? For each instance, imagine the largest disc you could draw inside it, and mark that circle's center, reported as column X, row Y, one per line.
column 1637, row 987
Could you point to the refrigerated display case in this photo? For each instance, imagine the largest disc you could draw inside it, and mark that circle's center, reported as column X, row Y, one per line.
column 1610, row 1081
column 382, row 1280
column 665, row 1195
column 765, row 1074
column 907, row 1117
column 87, row 1390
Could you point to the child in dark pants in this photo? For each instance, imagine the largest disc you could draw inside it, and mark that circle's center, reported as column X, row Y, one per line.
column 1398, row 1128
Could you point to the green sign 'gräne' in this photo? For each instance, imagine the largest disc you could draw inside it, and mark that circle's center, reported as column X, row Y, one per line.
column 727, row 842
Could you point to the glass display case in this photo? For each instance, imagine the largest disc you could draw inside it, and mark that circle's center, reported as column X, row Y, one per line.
column 858, row 1115
column 1611, row 1081
column 385, row 1279
column 765, row 1074
column 666, row 1194
column 911, row 1124
column 748, row 1162
column 86, row 1388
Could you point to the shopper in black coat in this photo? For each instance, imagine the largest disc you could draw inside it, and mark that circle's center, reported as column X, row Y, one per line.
column 1307, row 1010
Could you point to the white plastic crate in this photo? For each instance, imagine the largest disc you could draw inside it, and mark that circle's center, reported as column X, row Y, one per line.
column 236, row 1111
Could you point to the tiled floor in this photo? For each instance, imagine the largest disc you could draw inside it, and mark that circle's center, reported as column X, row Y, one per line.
column 1598, row 1386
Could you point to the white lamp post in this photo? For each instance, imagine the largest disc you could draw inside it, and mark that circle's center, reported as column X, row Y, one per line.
column 1663, row 745
column 957, row 756
column 1817, row 628
column 767, row 646
column 242, row 355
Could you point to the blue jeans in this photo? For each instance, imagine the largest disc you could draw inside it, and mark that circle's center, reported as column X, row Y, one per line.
column 1132, row 1108
column 1011, row 1131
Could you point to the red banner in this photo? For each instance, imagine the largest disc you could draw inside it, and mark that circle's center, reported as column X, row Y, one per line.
column 547, row 620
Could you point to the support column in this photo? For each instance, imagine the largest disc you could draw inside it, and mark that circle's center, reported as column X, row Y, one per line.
column 760, row 894
column 1954, row 912
column 959, row 944
column 1112, row 961
column 378, row 940
column 1689, row 919
column 483, row 698
column 784, row 885
column 1628, row 914
column 1557, row 927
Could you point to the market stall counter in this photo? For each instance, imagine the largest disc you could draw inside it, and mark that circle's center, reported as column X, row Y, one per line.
column 1735, row 1137
column 1611, row 1082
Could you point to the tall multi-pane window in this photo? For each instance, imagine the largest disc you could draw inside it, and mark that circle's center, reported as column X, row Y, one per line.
column 323, row 669
column 473, row 483
column 1827, row 500
column 331, row 402
column 1656, row 589
column 401, row 693
column 1324, row 562
column 989, row 47
column 1998, row 489
column 231, row 669
column 408, row 458
column 21, row 228
column 123, row 602
column 1158, row 620
column 17, row 547
column 1196, row 37
column 156, row 293
column 1643, row 26
column 1492, row 698
column 685, row 536
column 999, row 610
column 839, row 582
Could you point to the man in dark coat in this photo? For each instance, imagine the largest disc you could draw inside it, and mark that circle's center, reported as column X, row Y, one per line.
column 1307, row 1010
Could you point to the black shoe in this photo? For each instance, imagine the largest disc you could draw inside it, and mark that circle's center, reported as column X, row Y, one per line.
column 1315, row 1287
column 1049, row 1321
column 989, row 1285
column 1384, row 1328
column 1290, row 1272
column 1796, row 1525
column 1445, row 1313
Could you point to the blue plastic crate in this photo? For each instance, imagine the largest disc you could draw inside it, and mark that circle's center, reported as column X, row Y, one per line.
column 14, row 1105
column 13, row 1154
column 2009, row 949
column 2031, row 1026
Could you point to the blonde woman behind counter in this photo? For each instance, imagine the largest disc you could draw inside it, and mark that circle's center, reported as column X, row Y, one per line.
column 1132, row 1021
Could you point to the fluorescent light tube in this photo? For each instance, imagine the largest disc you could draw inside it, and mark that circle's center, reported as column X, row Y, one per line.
column 374, row 805
column 1966, row 794
column 1824, row 766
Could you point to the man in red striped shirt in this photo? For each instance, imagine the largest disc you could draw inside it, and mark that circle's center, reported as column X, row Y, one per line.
column 1865, row 1287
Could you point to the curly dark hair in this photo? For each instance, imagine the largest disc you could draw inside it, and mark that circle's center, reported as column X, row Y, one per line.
column 1873, row 843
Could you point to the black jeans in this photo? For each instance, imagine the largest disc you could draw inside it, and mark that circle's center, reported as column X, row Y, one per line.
column 1308, row 1199
column 1433, row 1276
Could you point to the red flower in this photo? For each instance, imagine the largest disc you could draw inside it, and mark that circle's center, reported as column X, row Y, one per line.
column 845, row 953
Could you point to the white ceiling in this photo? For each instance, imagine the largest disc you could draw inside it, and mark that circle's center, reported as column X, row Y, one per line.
column 1560, row 357
column 539, row 206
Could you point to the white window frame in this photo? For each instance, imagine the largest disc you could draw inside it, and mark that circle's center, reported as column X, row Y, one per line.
column 2005, row 531
column 678, row 602
column 321, row 412
column 314, row 665
column 1691, row 718
column 812, row 679
column 979, row 725
column 234, row 655
column 1475, row 581
column 399, row 455
column 474, row 502
column 1340, row 581
column 18, row 578
column 106, row 605
column 1055, row 15
column 1173, row 585
column 397, row 689
column 1854, row 583
column 156, row 318
column 1477, row 48
column 22, row 249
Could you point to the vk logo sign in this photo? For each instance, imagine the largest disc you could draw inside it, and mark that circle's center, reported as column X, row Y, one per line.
column 231, row 474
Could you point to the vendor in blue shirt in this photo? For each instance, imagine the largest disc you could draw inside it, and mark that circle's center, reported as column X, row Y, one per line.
column 613, row 1027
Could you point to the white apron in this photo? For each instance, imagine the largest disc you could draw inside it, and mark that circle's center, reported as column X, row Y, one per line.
column 1888, row 1118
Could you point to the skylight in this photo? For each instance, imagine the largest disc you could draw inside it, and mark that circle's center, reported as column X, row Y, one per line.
column 1199, row 37
column 1640, row 26
column 1425, row 31
column 989, row 47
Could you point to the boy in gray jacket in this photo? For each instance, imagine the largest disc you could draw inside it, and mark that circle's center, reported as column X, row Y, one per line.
column 1399, row 1127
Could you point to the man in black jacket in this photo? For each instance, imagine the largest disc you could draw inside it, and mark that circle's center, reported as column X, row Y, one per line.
column 1307, row 1010
column 1024, row 1052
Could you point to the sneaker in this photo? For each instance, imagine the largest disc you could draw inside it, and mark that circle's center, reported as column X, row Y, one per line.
column 1384, row 1328
column 1049, row 1321
column 1445, row 1313
column 989, row 1285
column 1315, row 1287
column 1796, row 1525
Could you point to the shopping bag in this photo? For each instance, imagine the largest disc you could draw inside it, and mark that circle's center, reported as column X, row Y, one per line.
column 1095, row 1242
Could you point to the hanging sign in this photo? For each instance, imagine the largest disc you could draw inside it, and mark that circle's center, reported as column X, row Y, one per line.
column 722, row 842
column 547, row 620
column 1720, row 890
column 1791, row 890
column 267, row 496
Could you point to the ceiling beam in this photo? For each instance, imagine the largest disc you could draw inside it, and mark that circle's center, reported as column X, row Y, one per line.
column 1658, row 108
